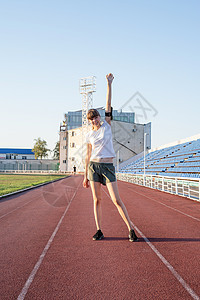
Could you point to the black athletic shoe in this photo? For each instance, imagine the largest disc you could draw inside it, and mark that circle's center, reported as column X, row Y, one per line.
column 98, row 236
column 132, row 236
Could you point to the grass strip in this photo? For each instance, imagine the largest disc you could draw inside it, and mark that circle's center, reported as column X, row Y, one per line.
column 12, row 183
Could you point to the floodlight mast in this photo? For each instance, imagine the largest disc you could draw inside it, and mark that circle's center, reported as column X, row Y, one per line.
column 87, row 88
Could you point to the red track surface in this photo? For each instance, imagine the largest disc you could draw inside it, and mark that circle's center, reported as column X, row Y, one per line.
column 164, row 264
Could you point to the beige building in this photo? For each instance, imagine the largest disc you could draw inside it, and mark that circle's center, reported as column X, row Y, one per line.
column 128, row 141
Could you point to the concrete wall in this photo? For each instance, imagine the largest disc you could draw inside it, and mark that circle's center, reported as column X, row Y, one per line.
column 76, row 149
column 128, row 141
column 63, row 149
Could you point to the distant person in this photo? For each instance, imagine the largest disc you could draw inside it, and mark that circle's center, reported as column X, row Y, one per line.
column 74, row 168
column 99, row 164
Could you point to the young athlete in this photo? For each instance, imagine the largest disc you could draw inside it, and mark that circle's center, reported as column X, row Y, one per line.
column 99, row 164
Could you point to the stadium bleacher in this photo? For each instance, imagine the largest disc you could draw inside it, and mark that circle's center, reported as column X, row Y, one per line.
column 182, row 160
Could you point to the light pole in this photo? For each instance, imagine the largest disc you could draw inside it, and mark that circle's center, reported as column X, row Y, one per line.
column 145, row 141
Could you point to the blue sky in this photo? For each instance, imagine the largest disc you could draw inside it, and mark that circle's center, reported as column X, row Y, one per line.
column 46, row 46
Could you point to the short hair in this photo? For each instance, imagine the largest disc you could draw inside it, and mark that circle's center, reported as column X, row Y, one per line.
column 92, row 113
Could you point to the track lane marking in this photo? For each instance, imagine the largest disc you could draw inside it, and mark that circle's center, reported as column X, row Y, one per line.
column 39, row 262
column 35, row 197
column 165, row 262
column 167, row 206
column 169, row 266
column 1, row 217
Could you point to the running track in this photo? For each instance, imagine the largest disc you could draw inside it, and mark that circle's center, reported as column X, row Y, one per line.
column 47, row 251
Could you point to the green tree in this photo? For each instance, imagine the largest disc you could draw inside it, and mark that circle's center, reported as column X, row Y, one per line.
column 40, row 148
column 56, row 151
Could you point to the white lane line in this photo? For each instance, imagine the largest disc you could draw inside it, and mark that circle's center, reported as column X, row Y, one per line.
column 37, row 265
column 166, row 263
column 169, row 266
column 71, row 187
column 167, row 206
column 16, row 209
column 1, row 217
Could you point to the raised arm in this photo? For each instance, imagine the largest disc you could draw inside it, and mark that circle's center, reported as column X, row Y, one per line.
column 109, row 78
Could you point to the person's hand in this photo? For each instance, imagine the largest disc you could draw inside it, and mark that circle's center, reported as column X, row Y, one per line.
column 86, row 183
column 109, row 78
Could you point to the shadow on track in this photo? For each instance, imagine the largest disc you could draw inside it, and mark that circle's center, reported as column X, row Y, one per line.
column 158, row 240
column 107, row 239
column 153, row 240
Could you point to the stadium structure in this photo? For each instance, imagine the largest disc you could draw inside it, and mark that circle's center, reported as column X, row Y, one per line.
column 178, row 159
column 128, row 138
column 11, row 153
column 172, row 168
column 23, row 160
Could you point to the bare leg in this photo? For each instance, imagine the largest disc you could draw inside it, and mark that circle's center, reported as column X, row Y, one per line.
column 114, row 194
column 96, row 192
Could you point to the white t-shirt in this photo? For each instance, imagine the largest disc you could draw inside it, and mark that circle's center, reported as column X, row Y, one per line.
column 101, row 141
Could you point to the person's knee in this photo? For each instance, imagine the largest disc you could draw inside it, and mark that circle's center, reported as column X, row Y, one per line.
column 97, row 200
column 117, row 201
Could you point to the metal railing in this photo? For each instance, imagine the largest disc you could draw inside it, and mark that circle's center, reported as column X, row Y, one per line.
column 186, row 187
column 37, row 172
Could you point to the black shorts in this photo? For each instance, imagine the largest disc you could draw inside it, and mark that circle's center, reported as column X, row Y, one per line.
column 101, row 172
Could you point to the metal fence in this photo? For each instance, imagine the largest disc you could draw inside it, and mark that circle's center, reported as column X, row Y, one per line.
column 30, row 165
column 49, row 172
column 186, row 187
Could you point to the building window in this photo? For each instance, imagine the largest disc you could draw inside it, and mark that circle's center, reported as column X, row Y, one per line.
column 73, row 133
column 23, row 157
column 64, row 147
column 64, row 161
column 73, row 158
column 64, row 139
column 72, row 145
